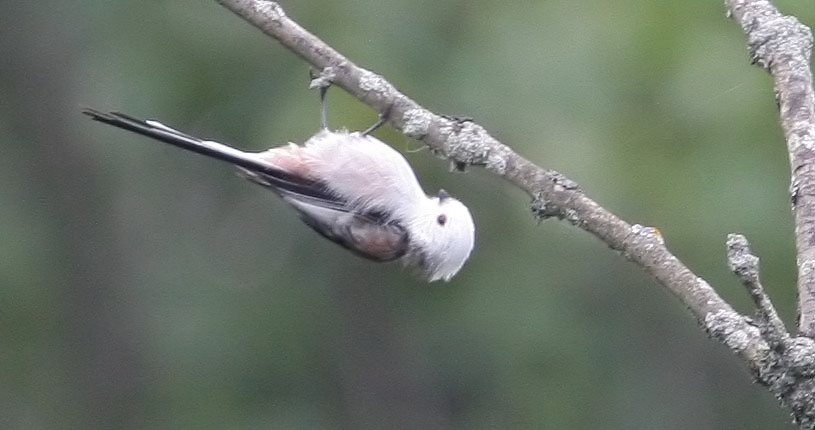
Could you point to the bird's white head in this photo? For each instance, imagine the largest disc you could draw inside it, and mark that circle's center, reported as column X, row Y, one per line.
column 443, row 234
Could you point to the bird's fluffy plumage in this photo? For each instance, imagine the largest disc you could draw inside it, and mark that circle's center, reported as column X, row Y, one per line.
column 351, row 188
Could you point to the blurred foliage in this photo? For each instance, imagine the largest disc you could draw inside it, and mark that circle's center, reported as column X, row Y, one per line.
column 143, row 287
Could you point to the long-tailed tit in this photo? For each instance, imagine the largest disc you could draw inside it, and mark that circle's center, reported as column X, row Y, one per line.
column 351, row 188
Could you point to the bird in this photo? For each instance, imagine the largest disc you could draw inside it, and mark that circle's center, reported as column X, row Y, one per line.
column 349, row 187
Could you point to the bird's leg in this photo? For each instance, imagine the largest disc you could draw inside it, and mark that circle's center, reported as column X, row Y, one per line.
column 322, row 81
column 383, row 118
column 323, row 110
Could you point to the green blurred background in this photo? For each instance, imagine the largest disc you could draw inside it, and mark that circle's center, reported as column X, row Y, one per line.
column 143, row 287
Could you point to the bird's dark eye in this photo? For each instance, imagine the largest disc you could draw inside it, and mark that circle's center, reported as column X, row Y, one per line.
column 442, row 219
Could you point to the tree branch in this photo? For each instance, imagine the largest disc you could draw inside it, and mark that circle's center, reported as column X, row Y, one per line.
column 784, row 364
column 745, row 265
column 782, row 46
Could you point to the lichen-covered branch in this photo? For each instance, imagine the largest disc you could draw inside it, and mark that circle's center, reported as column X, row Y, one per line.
column 744, row 264
column 785, row 366
column 782, row 46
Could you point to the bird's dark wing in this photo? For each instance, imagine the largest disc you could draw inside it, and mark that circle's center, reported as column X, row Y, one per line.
column 366, row 234
column 371, row 234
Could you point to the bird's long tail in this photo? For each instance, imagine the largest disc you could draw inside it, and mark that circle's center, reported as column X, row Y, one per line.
column 254, row 167
column 161, row 132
